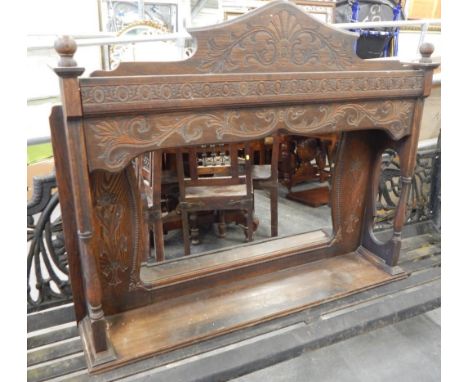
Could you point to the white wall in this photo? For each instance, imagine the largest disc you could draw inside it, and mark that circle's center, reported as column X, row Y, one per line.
column 62, row 16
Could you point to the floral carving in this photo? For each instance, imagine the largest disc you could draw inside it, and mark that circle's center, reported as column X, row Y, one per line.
column 113, row 252
column 283, row 41
column 122, row 138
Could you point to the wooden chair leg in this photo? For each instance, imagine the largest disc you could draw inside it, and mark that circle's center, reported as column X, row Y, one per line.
column 194, row 231
column 249, row 224
column 221, row 224
column 186, row 232
column 158, row 237
column 274, row 211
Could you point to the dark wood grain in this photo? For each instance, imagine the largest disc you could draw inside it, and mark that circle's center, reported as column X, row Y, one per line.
column 423, row 271
column 273, row 71
column 276, row 295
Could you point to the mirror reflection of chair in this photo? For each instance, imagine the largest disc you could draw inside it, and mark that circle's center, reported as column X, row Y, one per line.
column 215, row 183
column 149, row 172
column 265, row 177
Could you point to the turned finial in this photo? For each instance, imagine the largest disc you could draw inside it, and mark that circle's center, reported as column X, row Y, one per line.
column 426, row 49
column 66, row 48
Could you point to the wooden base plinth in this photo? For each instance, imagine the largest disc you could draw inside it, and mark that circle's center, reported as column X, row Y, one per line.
column 314, row 197
column 93, row 359
column 185, row 320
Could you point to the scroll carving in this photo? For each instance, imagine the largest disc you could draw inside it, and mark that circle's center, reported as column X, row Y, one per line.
column 119, row 139
column 283, row 39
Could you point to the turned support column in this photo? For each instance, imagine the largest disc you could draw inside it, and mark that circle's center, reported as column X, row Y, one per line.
column 407, row 150
column 68, row 73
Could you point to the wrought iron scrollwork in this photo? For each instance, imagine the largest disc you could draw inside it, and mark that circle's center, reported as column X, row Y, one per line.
column 419, row 206
column 47, row 265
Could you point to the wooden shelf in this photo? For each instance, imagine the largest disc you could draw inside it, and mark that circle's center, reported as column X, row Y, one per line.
column 184, row 320
column 171, row 272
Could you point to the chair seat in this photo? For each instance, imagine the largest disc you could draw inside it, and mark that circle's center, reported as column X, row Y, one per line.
column 261, row 172
column 237, row 190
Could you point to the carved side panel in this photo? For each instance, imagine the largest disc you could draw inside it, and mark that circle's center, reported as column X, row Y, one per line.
column 351, row 175
column 113, row 142
column 122, row 235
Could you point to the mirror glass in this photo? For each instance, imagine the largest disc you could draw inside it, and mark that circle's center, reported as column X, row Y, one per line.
column 217, row 203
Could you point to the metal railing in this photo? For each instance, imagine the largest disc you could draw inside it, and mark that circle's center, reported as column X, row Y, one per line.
column 96, row 40
column 105, row 39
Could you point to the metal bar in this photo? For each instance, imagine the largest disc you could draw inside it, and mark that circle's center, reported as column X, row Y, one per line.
column 92, row 40
column 382, row 24
column 76, row 36
column 198, row 7
column 141, row 9
column 116, row 40
column 424, row 29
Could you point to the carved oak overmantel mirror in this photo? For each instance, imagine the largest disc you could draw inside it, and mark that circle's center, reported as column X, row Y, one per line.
column 275, row 71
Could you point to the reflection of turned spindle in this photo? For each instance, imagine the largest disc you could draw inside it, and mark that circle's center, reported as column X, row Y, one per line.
column 68, row 73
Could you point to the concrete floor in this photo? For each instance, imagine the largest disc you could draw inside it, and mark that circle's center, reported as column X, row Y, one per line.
column 408, row 351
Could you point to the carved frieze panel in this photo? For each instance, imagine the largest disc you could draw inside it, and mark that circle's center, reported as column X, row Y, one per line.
column 196, row 91
column 113, row 142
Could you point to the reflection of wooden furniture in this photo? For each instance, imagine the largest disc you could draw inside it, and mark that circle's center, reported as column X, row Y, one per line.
column 265, row 177
column 158, row 179
column 159, row 185
column 291, row 75
column 306, row 159
column 156, row 213
column 214, row 184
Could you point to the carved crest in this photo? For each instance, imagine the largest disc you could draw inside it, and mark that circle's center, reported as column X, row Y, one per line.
column 278, row 37
column 285, row 38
